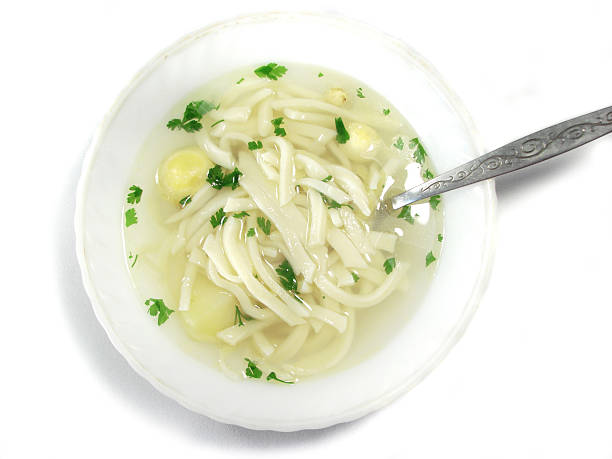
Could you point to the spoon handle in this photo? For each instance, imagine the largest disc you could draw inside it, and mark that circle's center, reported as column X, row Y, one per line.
column 523, row 152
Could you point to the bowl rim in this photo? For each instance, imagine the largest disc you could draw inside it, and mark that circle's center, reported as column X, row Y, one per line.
column 469, row 309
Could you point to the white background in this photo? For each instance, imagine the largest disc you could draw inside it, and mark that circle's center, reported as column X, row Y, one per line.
column 531, row 378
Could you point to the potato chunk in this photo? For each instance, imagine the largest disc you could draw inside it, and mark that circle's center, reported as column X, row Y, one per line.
column 363, row 142
column 183, row 173
column 336, row 96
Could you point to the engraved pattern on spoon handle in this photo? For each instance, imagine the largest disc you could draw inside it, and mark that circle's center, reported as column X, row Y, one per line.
column 523, row 152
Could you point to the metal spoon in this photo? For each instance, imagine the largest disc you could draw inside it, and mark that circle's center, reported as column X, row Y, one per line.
column 524, row 152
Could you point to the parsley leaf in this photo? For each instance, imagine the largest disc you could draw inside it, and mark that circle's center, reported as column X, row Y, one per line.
column 386, row 111
column 264, row 224
column 244, row 213
column 279, row 131
column 327, row 179
column 355, row 276
column 216, row 122
column 342, row 134
column 360, row 93
column 399, row 143
column 406, row 214
column 135, row 195
column 240, row 80
column 320, row 75
column 428, row 175
column 251, row 370
column 434, row 201
column 130, row 217
column 256, row 145
column 194, row 111
column 440, row 237
column 419, row 154
column 219, row 218
column 429, row 258
column 238, row 316
column 287, row 276
column 158, row 308
column 331, row 204
column 272, row 376
column 218, row 179
column 271, row 71
column 251, row 232
column 186, row 200
column 389, row 265
column 132, row 257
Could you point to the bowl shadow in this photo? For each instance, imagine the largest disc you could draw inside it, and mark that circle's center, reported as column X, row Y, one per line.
column 121, row 379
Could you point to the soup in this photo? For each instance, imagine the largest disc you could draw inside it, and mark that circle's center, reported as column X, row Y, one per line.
column 255, row 220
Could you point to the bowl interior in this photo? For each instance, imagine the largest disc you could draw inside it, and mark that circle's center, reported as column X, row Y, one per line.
column 387, row 66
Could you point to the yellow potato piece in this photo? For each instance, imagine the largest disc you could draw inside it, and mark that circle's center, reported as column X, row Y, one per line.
column 363, row 142
column 183, row 173
column 212, row 309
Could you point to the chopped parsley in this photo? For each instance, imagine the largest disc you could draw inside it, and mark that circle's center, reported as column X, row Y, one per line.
column 419, row 154
column 186, row 200
column 134, row 196
column 355, row 276
column 331, row 204
column 218, row 179
column 272, row 376
column 264, row 224
column 216, row 122
column 399, row 143
column 386, row 111
column 320, row 75
column 429, row 258
column 279, row 131
column 194, row 111
column 240, row 80
column 130, row 217
column 440, row 237
column 287, row 276
column 360, row 93
column 327, row 179
column 434, row 201
column 244, row 213
column 238, row 316
column 271, row 71
column 251, row 370
column 132, row 257
column 219, row 218
column 342, row 134
column 158, row 308
column 406, row 214
column 255, row 145
column 251, row 232
column 389, row 265
column 428, row 175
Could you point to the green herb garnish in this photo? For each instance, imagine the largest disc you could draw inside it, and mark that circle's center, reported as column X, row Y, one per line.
column 240, row 80
column 186, row 200
column 251, row 370
column 419, row 154
column 355, row 276
column 320, row 75
column 360, row 93
column 440, row 237
column 429, row 258
column 386, row 111
column 428, row 175
column 399, row 143
column 159, row 309
column 271, row 71
column 434, row 201
column 342, row 134
column 219, row 218
column 389, row 265
column 134, row 196
column 264, row 224
column 406, row 214
column 130, row 217
column 287, row 276
column 279, row 131
column 331, row 204
column 327, row 179
column 218, row 179
column 255, row 145
column 272, row 376
column 132, row 257
column 194, row 111
column 244, row 213
column 251, row 232
column 238, row 316
column 216, row 122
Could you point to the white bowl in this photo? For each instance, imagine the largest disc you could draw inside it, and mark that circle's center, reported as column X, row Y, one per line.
column 414, row 87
